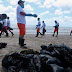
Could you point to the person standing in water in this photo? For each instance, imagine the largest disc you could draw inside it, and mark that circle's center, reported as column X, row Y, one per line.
column 56, row 28
column 21, row 22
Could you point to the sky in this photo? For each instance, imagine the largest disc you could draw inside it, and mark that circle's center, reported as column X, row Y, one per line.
column 46, row 10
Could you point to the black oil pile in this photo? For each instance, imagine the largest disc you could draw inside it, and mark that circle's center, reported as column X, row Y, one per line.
column 52, row 58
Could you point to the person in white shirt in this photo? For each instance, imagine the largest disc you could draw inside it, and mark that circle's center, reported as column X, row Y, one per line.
column 70, row 32
column 4, row 25
column 43, row 26
column 1, row 25
column 21, row 22
column 38, row 28
column 56, row 28
column 8, row 26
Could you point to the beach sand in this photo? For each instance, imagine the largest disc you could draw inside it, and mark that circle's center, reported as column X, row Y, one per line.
column 32, row 43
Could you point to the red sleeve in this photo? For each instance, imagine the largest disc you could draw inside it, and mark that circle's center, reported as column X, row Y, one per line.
column 22, row 13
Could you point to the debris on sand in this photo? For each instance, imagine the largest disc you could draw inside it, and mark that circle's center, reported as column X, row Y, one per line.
column 52, row 58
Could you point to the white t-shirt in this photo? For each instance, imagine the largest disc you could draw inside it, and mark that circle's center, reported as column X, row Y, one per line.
column 8, row 23
column 39, row 24
column 56, row 24
column 44, row 25
column 5, row 24
column 1, row 22
column 20, row 18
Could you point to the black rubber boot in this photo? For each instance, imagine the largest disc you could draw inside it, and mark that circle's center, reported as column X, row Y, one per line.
column 37, row 34
column 19, row 41
column 53, row 35
column 57, row 35
column 6, row 34
column 41, row 34
column 0, row 35
column 22, row 43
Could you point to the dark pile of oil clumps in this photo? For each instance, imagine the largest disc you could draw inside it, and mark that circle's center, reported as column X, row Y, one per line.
column 51, row 58
column 3, row 45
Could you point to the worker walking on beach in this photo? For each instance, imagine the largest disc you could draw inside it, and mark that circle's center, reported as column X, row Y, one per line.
column 43, row 26
column 38, row 28
column 8, row 26
column 56, row 28
column 21, row 22
column 4, row 25
column 70, row 32
column 0, row 26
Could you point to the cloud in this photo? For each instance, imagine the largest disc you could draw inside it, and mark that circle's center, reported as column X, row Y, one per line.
column 31, row 1
column 13, row 2
column 31, row 21
column 28, row 7
column 58, row 12
column 66, row 12
column 43, row 13
column 63, row 21
column 48, row 3
column 60, row 4
column 63, row 4
column 34, row 1
column 7, row 9
column 0, row 1
column 60, row 7
column 32, row 12
column 10, row 11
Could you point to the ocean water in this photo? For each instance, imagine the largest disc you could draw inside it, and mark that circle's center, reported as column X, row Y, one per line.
column 49, row 30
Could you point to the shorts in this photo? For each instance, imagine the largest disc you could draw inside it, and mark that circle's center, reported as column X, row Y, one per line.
column 22, row 28
column 8, row 28
column 38, row 29
column 71, row 31
column 5, row 28
column 56, row 30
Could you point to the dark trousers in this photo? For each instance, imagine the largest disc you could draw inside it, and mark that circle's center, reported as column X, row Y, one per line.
column 38, row 34
column 44, row 31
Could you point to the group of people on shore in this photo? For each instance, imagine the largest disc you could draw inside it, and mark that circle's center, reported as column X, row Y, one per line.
column 44, row 30
column 38, row 26
column 5, row 26
column 21, row 23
